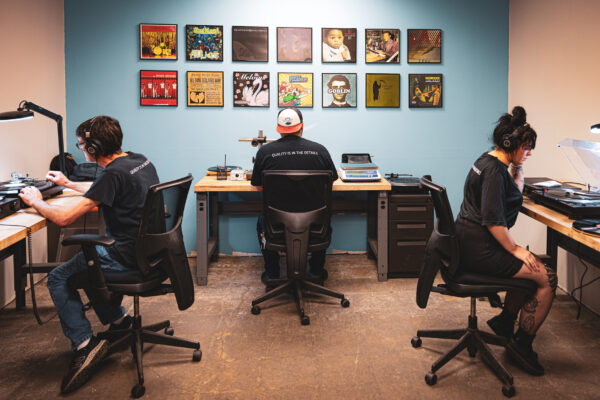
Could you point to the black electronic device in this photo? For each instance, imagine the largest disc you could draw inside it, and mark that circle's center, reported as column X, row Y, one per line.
column 356, row 158
column 9, row 192
column 571, row 200
column 590, row 226
column 405, row 183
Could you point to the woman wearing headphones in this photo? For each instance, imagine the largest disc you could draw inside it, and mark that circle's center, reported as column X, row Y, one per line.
column 492, row 199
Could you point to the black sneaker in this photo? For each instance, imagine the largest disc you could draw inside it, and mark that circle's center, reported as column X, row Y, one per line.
column 523, row 357
column 320, row 276
column 83, row 363
column 502, row 326
column 125, row 324
column 269, row 282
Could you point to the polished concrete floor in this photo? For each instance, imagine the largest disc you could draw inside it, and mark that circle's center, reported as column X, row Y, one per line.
column 360, row 352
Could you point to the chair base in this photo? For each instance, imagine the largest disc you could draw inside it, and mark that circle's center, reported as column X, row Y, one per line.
column 297, row 287
column 137, row 335
column 474, row 341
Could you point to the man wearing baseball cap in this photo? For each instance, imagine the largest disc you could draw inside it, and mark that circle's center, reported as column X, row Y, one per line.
column 291, row 152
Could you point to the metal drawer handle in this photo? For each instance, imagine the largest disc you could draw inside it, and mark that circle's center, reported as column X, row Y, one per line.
column 411, row 226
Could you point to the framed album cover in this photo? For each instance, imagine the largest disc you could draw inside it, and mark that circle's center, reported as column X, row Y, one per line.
column 158, row 88
column 205, row 88
column 250, row 43
column 158, row 41
column 338, row 45
column 294, row 45
column 251, row 89
column 204, row 42
column 425, row 90
column 382, row 46
column 382, row 90
column 295, row 89
column 339, row 90
column 424, row 45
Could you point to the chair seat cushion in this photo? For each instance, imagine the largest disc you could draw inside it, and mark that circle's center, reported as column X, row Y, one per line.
column 466, row 284
column 128, row 282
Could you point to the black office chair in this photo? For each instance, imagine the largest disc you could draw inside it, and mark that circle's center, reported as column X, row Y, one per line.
column 297, row 230
column 442, row 254
column 160, row 255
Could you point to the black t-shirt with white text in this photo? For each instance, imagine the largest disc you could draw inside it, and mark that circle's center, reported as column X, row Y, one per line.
column 121, row 189
column 491, row 196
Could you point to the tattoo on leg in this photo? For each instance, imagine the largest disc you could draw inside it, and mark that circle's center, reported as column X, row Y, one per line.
column 531, row 306
column 552, row 279
column 528, row 324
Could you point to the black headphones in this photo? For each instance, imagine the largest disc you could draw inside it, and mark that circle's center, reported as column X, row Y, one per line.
column 92, row 146
column 509, row 141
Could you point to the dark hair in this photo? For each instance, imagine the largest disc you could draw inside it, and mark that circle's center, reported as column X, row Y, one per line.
column 103, row 130
column 514, row 127
column 338, row 78
column 392, row 36
column 327, row 30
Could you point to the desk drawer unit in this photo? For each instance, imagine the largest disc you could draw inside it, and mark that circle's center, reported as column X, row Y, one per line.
column 409, row 226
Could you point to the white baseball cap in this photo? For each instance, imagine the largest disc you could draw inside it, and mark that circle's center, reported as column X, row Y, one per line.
column 289, row 120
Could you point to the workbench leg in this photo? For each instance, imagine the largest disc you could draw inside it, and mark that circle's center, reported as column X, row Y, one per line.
column 552, row 247
column 20, row 277
column 213, row 224
column 201, row 238
column 382, row 236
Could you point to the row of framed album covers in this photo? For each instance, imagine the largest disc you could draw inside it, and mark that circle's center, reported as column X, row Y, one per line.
column 294, row 44
column 294, row 89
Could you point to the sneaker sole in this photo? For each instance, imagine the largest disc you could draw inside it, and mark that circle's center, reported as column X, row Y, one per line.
column 84, row 372
column 515, row 357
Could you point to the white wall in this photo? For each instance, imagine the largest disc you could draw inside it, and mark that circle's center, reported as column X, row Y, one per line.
column 33, row 69
column 554, row 60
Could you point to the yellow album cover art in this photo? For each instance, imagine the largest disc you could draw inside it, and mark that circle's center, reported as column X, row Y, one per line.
column 295, row 89
column 383, row 90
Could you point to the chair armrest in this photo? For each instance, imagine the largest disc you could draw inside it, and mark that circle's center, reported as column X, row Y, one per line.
column 88, row 239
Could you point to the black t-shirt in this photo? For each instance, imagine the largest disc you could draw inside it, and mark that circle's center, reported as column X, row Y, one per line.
column 491, row 196
column 291, row 153
column 121, row 189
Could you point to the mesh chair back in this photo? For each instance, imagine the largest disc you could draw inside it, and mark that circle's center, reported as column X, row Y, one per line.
column 442, row 247
column 160, row 239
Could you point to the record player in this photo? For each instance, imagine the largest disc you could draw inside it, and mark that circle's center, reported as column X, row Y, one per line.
column 9, row 192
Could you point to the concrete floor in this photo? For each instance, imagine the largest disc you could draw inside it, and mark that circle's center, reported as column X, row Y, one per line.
column 360, row 352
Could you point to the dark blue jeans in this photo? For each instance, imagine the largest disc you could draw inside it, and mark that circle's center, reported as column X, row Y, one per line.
column 316, row 261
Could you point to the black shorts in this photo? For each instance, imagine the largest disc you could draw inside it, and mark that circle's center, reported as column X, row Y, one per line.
column 481, row 253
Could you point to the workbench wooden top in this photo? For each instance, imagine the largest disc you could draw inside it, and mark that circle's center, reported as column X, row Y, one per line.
column 211, row 184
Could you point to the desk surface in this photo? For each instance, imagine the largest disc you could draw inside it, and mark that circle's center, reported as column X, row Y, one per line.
column 10, row 235
column 559, row 222
column 211, row 184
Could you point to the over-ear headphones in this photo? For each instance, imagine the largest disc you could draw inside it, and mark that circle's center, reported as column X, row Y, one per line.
column 509, row 141
column 92, row 146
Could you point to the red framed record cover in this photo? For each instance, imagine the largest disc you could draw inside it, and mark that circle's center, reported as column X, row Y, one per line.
column 158, row 42
column 158, row 88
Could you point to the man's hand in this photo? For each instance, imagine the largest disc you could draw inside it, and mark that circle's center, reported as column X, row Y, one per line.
column 345, row 52
column 57, row 177
column 30, row 194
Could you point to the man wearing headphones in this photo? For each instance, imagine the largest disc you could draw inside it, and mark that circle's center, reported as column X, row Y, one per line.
column 119, row 192
column 291, row 152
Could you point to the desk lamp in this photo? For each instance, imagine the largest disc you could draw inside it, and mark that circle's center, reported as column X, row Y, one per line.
column 595, row 129
column 25, row 111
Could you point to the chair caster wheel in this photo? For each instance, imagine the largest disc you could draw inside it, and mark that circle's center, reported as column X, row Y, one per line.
column 169, row 331
column 197, row 356
column 305, row 320
column 255, row 310
column 416, row 342
column 138, row 391
column 345, row 303
column 508, row 391
column 431, row 378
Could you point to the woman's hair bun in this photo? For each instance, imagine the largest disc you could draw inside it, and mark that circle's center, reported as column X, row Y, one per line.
column 519, row 116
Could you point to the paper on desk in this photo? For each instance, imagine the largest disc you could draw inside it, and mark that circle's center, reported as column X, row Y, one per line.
column 548, row 184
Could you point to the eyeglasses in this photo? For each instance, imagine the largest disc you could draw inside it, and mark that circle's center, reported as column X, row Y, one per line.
column 80, row 145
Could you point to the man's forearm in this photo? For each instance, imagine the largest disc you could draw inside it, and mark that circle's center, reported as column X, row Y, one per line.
column 80, row 187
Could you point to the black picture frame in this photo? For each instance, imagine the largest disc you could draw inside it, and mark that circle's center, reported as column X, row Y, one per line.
column 376, row 49
column 250, row 43
column 424, row 46
column 158, row 38
column 297, row 95
column 157, row 88
column 197, row 91
column 248, row 93
column 375, row 91
column 303, row 39
column 423, row 90
column 196, row 45
column 327, row 77
column 331, row 54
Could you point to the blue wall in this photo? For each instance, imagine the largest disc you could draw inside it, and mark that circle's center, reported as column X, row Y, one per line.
column 102, row 75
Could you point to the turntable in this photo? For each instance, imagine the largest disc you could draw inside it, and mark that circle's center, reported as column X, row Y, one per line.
column 9, row 192
column 573, row 201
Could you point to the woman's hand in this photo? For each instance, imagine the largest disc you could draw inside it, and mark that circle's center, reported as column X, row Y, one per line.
column 528, row 258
